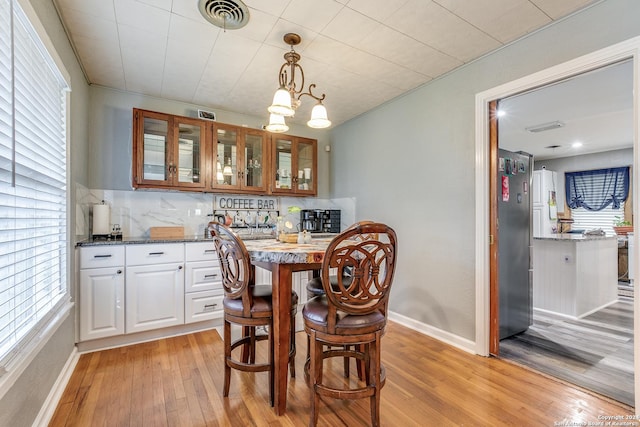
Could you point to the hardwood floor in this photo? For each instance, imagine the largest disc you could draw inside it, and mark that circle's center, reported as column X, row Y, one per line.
column 595, row 352
column 178, row 382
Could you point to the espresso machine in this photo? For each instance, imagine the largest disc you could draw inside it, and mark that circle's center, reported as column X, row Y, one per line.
column 320, row 220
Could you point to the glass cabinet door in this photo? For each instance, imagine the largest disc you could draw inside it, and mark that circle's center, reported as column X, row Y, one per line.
column 306, row 162
column 155, row 149
column 254, row 160
column 283, row 164
column 294, row 162
column 226, row 167
column 167, row 150
column 189, row 159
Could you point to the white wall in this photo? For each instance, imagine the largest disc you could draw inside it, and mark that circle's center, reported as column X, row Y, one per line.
column 411, row 163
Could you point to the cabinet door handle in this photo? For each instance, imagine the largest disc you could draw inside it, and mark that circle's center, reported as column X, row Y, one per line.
column 179, row 267
column 156, row 253
column 119, row 272
column 102, row 256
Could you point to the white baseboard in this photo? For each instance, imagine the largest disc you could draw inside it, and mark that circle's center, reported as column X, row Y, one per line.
column 51, row 402
column 447, row 337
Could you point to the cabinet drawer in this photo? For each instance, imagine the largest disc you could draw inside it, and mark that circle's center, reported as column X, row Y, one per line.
column 201, row 306
column 203, row 276
column 101, row 256
column 201, row 251
column 160, row 253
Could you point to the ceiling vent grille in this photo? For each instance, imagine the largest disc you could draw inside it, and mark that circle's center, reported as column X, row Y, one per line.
column 545, row 126
column 226, row 14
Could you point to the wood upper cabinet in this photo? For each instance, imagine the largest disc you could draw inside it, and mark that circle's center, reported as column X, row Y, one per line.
column 188, row 154
column 168, row 151
column 239, row 160
column 294, row 165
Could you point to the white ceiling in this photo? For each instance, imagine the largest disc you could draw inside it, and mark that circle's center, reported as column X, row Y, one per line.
column 596, row 109
column 360, row 53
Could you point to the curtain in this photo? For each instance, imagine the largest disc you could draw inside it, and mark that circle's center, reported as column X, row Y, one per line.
column 594, row 190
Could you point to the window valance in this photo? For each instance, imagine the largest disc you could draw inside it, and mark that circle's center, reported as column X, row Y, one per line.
column 596, row 189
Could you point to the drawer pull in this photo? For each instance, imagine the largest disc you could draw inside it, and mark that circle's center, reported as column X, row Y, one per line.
column 102, row 256
column 209, row 251
column 156, row 253
column 210, row 306
column 208, row 276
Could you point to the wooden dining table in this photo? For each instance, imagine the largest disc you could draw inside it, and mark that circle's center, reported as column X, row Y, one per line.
column 284, row 259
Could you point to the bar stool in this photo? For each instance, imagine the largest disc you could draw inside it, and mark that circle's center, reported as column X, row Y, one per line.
column 353, row 312
column 248, row 305
column 314, row 288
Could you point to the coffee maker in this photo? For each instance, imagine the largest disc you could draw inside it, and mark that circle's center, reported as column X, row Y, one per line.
column 320, row 220
column 310, row 220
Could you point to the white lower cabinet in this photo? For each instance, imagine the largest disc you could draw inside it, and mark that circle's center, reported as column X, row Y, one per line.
column 129, row 288
column 154, row 286
column 101, row 302
column 101, row 292
column 203, row 283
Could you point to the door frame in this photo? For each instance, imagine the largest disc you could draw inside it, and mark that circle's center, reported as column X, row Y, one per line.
column 484, row 241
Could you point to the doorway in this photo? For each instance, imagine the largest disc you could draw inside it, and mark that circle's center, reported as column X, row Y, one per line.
column 585, row 340
column 486, row 253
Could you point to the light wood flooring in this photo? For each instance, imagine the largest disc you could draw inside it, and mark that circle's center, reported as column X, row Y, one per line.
column 178, row 382
column 595, row 352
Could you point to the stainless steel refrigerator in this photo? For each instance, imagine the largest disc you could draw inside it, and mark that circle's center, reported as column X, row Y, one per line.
column 514, row 242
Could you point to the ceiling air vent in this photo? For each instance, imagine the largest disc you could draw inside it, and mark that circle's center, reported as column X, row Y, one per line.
column 226, row 14
column 545, row 126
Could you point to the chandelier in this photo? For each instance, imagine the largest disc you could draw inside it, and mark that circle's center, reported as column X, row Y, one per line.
column 287, row 98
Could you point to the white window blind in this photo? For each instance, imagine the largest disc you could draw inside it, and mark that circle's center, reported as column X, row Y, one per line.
column 33, row 183
column 584, row 219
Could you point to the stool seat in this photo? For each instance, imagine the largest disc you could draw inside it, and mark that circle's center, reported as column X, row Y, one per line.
column 316, row 312
column 262, row 302
column 314, row 286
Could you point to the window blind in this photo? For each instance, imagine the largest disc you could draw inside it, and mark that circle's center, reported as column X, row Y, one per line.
column 584, row 219
column 33, row 183
column 596, row 189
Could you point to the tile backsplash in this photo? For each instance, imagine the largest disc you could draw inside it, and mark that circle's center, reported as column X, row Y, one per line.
column 136, row 211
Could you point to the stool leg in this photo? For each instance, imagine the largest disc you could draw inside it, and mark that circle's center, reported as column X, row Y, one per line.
column 246, row 348
column 374, row 379
column 227, row 355
column 347, row 371
column 316, row 375
column 252, row 346
column 272, row 364
column 361, row 364
column 292, row 349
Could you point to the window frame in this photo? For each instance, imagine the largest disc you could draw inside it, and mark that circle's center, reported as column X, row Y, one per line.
column 29, row 346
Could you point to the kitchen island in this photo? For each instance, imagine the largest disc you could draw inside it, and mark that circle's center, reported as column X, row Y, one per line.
column 574, row 275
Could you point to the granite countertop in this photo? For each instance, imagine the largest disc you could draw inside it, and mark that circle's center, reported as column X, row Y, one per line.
column 575, row 237
column 147, row 240
column 288, row 253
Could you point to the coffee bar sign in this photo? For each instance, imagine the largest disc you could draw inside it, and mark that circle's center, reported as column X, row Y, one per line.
column 246, row 203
